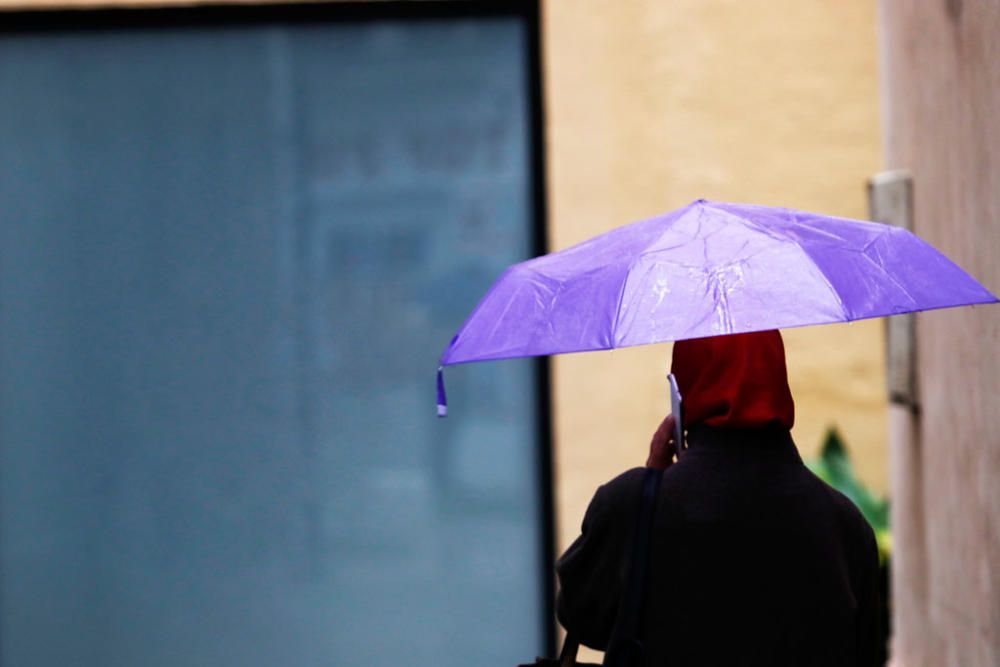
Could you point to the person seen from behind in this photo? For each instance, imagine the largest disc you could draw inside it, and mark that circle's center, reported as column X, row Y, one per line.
column 753, row 559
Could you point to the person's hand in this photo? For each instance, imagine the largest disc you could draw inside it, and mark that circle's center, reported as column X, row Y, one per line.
column 662, row 449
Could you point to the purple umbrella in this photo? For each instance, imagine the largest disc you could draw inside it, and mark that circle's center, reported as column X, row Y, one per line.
column 707, row 269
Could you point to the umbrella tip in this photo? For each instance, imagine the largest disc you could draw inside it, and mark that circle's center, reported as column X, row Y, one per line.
column 699, row 201
column 442, row 398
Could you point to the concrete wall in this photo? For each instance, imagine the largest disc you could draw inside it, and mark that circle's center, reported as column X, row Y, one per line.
column 652, row 104
column 941, row 91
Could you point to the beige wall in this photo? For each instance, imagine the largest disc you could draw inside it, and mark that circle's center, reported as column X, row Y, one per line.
column 941, row 85
column 652, row 104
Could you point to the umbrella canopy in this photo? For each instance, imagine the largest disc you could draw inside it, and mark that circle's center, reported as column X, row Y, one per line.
column 708, row 269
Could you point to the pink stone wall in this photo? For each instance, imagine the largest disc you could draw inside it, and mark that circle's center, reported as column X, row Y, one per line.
column 940, row 76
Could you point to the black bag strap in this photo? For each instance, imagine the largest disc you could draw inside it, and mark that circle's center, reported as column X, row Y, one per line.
column 570, row 647
column 625, row 648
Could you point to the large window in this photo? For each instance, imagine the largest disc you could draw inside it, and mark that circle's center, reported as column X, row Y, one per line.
column 232, row 251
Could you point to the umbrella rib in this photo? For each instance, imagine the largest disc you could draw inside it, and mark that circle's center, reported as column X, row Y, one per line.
column 826, row 280
column 890, row 277
column 628, row 273
column 784, row 237
column 621, row 297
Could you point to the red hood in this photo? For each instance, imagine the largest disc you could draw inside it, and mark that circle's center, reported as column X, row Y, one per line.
column 735, row 381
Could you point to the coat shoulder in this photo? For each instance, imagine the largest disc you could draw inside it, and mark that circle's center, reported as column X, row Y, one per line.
column 623, row 489
column 845, row 509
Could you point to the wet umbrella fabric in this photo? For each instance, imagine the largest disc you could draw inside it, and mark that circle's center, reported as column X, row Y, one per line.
column 707, row 269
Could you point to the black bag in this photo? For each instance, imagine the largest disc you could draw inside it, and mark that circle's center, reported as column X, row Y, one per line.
column 625, row 648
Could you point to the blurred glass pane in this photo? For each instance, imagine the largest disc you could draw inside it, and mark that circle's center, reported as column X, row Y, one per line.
column 231, row 257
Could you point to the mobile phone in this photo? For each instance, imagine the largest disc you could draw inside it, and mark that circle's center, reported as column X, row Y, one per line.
column 675, row 409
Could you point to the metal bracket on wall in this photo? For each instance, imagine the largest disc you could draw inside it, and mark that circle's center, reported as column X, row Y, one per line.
column 890, row 201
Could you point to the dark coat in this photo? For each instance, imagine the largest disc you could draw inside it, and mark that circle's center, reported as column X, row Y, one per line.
column 753, row 561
